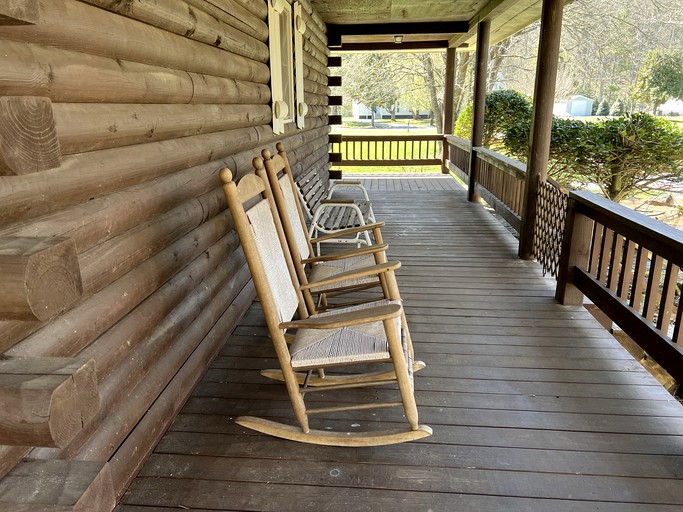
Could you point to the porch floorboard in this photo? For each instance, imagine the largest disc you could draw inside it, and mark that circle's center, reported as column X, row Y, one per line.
column 534, row 406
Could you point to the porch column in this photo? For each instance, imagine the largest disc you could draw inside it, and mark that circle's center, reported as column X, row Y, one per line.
column 479, row 102
column 539, row 140
column 448, row 105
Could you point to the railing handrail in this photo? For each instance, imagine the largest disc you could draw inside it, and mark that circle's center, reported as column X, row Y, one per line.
column 504, row 163
column 458, row 142
column 661, row 238
column 406, row 137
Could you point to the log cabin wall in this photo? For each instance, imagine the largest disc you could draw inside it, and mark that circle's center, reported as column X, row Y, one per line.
column 116, row 118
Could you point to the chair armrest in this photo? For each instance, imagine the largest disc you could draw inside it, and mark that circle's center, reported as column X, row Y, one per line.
column 348, row 183
column 337, row 202
column 363, row 251
column 337, row 320
column 349, row 231
column 354, row 274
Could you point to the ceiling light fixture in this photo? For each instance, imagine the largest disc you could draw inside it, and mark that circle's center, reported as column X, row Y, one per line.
column 398, row 38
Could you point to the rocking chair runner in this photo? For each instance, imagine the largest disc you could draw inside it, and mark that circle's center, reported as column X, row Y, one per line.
column 356, row 335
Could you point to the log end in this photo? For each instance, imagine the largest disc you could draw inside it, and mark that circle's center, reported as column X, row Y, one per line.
column 41, row 277
column 60, row 485
column 28, row 135
column 19, row 12
column 47, row 401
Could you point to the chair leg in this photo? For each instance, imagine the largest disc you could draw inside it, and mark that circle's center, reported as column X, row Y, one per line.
column 403, row 375
column 296, row 398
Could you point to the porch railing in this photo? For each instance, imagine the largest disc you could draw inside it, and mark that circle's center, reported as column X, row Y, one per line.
column 500, row 182
column 629, row 266
column 389, row 150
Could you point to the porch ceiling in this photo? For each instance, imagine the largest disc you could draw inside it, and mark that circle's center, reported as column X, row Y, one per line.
column 357, row 23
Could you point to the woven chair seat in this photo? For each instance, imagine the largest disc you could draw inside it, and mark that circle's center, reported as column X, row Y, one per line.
column 326, row 269
column 316, row 348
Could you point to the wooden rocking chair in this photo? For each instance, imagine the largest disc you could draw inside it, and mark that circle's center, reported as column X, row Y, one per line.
column 308, row 266
column 356, row 335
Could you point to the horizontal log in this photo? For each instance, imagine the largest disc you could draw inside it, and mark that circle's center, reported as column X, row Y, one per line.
column 129, row 457
column 128, row 365
column 317, row 122
column 100, row 311
column 335, row 120
column 317, row 99
column 259, row 9
column 312, row 62
column 73, row 25
column 72, row 77
column 46, row 401
column 10, row 456
column 315, row 87
column 19, row 12
column 178, row 17
column 39, row 277
column 335, row 100
column 107, row 262
column 315, row 52
column 334, row 62
column 88, row 175
column 123, row 211
column 334, row 81
column 143, row 382
column 170, row 301
column 308, row 7
column 28, row 138
column 242, row 15
column 319, row 110
column 58, row 485
column 90, row 127
column 315, row 76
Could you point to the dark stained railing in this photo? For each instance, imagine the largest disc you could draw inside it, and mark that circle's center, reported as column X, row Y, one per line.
column 389, row 150
column 629, row 266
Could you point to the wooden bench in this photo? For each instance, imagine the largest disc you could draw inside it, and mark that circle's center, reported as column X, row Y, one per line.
column 327, row 214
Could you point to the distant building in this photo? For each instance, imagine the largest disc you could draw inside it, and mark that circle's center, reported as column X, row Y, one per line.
column 360, row 111
column 577, row 106
column 671, row 108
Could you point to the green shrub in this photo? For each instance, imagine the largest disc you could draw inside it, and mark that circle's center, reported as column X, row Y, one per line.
column 463, row 124
column 603, row 109
column 503, row 108
column 621, row 155
column 617, row 108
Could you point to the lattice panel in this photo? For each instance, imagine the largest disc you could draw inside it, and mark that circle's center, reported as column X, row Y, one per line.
column 551, row 211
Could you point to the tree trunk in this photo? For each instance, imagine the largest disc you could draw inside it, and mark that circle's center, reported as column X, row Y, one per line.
column 496, row 56
column 437, row 114
column 462, row 64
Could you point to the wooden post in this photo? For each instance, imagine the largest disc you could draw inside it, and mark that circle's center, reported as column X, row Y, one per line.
column 483, row 34
column 448, row 105
column 576, row 244
column 544, row 96
column 39, row 277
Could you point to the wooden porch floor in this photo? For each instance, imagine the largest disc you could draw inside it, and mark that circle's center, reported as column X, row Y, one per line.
column 534, row 406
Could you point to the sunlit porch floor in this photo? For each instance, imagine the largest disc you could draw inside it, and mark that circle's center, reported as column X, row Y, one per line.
column 534, row 406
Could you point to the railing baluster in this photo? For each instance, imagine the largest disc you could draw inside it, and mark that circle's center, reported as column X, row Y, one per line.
column 666, row 303
column 626, row 270
column 605, row 247
column 678, row 327
column 639, row 278
column 596, row 243
column 652, row 288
